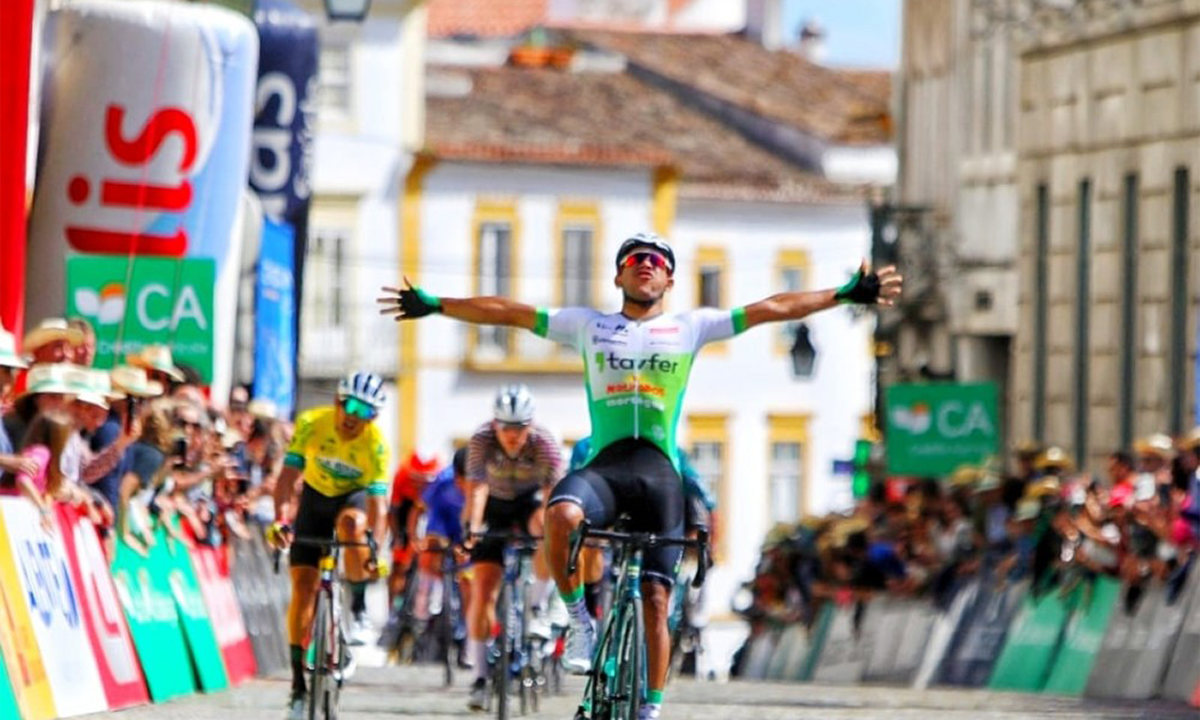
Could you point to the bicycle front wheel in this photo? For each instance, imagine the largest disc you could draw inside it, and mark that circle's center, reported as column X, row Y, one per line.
column 503, row 654
column 318, row 675
column 627, row 682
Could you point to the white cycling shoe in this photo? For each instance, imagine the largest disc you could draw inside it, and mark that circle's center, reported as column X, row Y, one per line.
column 648, row 712
column 581, row 642
column 296, row 708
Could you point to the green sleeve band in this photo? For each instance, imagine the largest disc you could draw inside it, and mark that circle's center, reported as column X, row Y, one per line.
column 377, row 489
column 541, row 325
column 572, row 597
column 432, row 301
column 294, row 460
column 739, row 320
column 841, row 294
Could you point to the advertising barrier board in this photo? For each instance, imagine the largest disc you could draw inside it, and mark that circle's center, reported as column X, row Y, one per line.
column 116, row 659
column 174, row 560
column 1093, row 603
column 1032, row 644
column 145, row 593
column 225, row 614
column 44, row 577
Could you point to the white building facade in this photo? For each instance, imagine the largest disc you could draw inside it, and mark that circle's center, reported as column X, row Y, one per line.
column 369, row 125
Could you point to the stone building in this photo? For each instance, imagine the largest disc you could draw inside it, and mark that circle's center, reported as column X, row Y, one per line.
column 1109, row 132
column 1046, row 154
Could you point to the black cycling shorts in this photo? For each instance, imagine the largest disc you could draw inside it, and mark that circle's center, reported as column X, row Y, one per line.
column 503, row 516
column 632, row 477
column 400, row 515
column 316, row 517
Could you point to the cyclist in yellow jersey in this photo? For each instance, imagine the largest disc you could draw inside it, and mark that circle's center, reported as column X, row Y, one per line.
column 343, row 458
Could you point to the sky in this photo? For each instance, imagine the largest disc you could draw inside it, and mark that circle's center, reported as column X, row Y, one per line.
column 858, row 33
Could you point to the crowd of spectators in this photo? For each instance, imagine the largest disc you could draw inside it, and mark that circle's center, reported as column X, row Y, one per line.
column 1045, row 523
column 133, row 447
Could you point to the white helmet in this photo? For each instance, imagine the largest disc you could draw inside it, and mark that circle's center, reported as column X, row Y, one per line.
column 514, row 404
column 364, row 386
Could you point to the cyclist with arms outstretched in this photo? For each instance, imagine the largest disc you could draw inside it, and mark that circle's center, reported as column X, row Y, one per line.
column 343, row 458
column 636, row 364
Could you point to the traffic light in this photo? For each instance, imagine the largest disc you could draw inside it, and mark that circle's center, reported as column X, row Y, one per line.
column 860, row 482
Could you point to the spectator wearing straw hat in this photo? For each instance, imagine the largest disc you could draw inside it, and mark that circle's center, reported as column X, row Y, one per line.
column 46, row 390
column 10, row 362
column 52, row 341
column 158, row 363
column 89, row 410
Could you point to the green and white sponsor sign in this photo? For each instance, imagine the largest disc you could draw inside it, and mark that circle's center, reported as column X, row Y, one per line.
column 167, row 301
column 932, row 429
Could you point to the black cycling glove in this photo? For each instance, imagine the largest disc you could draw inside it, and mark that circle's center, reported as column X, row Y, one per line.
column 861, row 289
column 416, row 303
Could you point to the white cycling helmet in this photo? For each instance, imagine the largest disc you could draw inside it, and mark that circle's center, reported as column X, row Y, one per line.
column 514, row 404
column 363, row 386
column 646, row 240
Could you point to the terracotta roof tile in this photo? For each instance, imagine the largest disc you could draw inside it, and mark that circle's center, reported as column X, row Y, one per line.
column 542, row 115
column 850, row 107
column 484, row 18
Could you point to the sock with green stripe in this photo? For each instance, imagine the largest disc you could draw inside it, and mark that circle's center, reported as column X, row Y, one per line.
column 576, row 605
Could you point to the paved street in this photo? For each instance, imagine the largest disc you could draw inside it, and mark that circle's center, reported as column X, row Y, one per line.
column 395, row 693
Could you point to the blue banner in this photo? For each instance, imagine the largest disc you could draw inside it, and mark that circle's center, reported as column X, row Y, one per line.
column 274, row 315
column 285, row 105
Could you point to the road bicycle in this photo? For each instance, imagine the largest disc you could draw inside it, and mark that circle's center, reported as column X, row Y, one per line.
column 616, row 683
column 516, row 655
column 400, row 634
column 447, row 631
column 328, row 658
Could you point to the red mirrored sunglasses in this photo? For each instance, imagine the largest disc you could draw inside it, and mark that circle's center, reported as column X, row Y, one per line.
column 637, row 258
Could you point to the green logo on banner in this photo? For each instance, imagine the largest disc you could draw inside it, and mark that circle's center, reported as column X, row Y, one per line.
column 933, row 429
column 167, row 301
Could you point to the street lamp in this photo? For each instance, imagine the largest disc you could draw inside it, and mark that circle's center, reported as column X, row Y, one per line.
column 352, row 10
column 804, row 355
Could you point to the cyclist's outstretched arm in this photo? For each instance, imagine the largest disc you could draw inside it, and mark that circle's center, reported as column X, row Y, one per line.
column 409, row 303
column 864, row 288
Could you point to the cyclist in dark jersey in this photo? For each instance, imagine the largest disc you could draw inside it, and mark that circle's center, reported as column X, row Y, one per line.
column 636, row 362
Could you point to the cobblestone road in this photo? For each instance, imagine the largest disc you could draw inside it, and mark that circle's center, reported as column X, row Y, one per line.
column 416, row 693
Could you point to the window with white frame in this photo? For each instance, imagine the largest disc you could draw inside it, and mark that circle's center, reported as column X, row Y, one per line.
column 324, row 277
column 334, row 76
column 707, row 462
column 576, row 271
column 495, row 278
column 786, row 481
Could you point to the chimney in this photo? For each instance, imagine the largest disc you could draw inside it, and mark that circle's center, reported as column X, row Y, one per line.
column 812, row 41
column 764, row 22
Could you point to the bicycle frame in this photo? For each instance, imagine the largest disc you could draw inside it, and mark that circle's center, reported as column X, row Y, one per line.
column 617, row 681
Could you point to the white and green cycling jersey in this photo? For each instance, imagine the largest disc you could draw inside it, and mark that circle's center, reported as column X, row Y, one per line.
column 636, row 372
